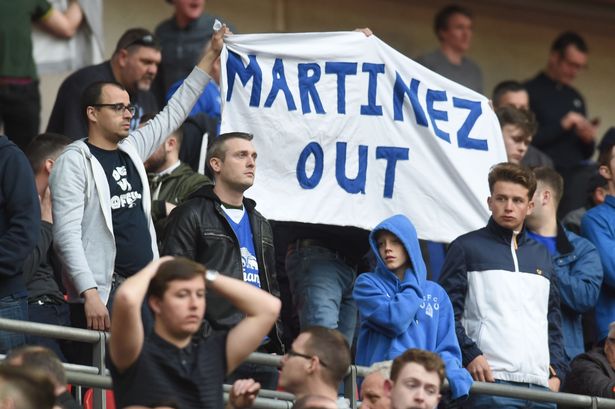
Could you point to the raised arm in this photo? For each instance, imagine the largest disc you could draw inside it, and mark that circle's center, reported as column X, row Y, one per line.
column 127, row 326
column 148, row 138
column 261, row 310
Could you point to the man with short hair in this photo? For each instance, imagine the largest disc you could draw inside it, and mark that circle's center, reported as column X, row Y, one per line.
column 103, row 229
column 134, row 64
column 170, row 181
column 416, row 380
column 19, row 229
column 453, row 27
column 575, row 259
column 221, row 228
column 564, row 133
column 373, row 395
column 513, row 93
column 598, row 225
column 593, row 373
column 42, row 269
column 180, row 359
column 518, row 128
column 43, row 359
column 316, row 363
column 487, row 274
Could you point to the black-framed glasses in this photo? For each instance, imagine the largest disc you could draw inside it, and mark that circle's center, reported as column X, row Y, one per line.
column 118, row 108
column 291, row 353
column 147, row 40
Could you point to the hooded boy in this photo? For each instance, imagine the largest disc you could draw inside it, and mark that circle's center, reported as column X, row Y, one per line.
column 400, row 309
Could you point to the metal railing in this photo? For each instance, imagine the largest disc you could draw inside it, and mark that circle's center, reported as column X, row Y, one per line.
column 97, row 376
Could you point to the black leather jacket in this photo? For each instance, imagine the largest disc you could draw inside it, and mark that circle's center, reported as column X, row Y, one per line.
column 199, row 230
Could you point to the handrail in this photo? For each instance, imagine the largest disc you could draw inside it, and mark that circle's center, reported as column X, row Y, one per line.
column 92, row 376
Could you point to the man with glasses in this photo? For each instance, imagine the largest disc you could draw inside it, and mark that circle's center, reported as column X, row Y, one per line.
column 103, row 229
column 565, row 133
column 134, row 65
column 316, row 364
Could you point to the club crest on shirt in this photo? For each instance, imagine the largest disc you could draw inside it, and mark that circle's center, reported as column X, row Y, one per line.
column 430, row 304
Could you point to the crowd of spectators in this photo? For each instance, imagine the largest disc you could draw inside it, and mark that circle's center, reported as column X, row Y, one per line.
column 128, row 215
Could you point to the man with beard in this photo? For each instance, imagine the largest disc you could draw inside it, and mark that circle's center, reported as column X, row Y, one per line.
column 134, row 65
column 103, row 230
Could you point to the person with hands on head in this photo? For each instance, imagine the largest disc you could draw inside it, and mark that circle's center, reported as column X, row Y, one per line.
column 183, row 357
column 103, row 229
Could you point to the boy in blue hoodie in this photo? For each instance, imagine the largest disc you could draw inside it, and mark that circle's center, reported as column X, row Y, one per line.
column 400, row 309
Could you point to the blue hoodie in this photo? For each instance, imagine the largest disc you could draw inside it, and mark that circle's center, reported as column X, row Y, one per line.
column 414, row 313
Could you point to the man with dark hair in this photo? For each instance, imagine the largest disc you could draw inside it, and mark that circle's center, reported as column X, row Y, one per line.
column 316, row 364
column 221, row 228
column 179, row 358
column 453, row 27
column 170, row 180
column 19, row 229
column 183, row 38
column 518, row 128
column 44, row 360
column 598, row 225
column 513, row 93
column 416, row 380
column 134, row 64
column 487, row 274
column 103, row 230
column 42, row 269
column 575, row 259
column 564, row 133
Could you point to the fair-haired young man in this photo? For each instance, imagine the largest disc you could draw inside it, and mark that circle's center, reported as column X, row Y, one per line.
column 177, row 360
column 504, row 293
column 575, row 259
column 518, row 128
column 416, row 379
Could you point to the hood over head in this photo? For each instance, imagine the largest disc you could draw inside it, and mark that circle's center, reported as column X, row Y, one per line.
column 403, row 228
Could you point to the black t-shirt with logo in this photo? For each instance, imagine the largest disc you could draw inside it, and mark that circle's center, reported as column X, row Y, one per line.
column 132, row 238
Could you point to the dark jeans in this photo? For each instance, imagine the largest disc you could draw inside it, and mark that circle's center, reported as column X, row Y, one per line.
column 15, row 308
column 20, row 107
column 267, row 376
column 48, row 313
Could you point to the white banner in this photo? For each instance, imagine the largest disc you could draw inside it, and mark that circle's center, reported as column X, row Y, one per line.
column 349, row 131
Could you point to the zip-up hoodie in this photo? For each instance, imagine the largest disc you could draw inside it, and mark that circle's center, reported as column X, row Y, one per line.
column 20, row 216
column 410, row 313
column 507, row 306
column 83, row 228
